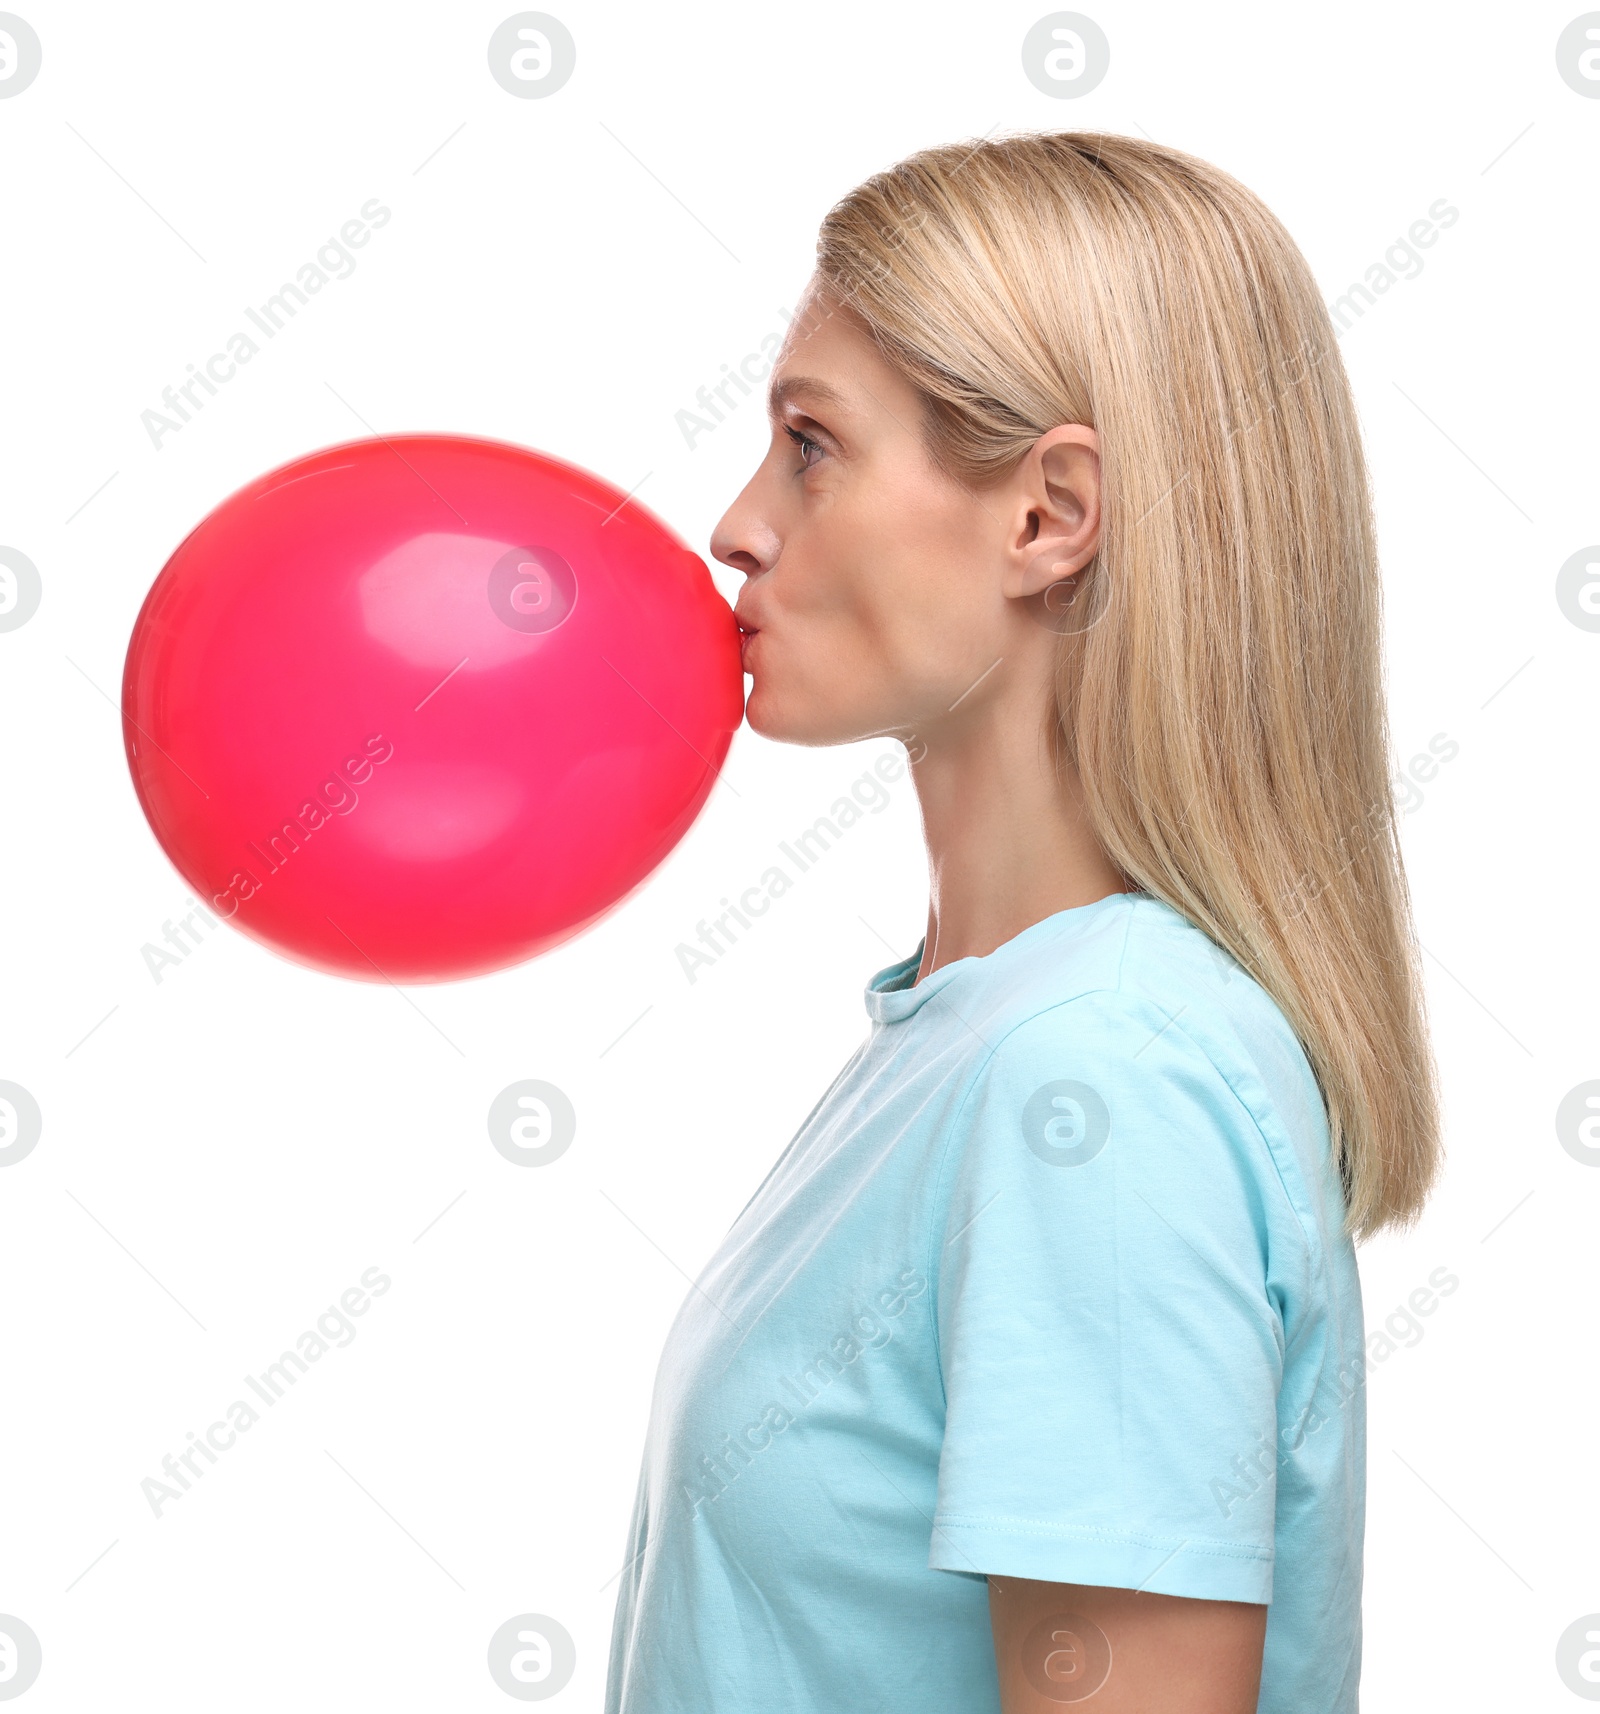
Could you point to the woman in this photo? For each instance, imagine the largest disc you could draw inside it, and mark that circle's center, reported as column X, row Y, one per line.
column 1033, row 1370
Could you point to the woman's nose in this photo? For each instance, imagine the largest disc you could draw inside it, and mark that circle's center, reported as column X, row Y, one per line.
column 743, row 540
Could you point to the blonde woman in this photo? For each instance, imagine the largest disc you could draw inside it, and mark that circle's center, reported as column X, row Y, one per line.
column 1032, row 1372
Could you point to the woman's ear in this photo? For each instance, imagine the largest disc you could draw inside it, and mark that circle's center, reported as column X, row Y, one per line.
column 1055, row 511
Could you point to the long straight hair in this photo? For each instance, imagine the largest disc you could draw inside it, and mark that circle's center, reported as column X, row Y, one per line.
column 1221, row 697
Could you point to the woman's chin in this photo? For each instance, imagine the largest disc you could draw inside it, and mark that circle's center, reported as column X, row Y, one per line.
column 764, row 715
column 787, row 726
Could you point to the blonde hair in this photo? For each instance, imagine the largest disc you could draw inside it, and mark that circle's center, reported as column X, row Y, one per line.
column 1222, row 701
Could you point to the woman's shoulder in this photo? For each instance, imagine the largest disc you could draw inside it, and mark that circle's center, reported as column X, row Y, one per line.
column 1133, row 951
column 1137, row 995
column 1135, row 954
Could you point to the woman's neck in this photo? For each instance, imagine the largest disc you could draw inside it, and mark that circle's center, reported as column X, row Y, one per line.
column 1008, row 838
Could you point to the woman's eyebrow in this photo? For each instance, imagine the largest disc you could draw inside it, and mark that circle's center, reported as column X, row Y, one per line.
column 800, row 387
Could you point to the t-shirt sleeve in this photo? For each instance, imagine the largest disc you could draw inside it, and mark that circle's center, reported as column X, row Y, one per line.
column 1110, row 1348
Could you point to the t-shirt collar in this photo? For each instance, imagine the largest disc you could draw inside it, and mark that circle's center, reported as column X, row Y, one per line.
column 894, row 994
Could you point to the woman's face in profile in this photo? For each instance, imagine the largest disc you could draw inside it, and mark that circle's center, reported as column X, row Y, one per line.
column 873, row 592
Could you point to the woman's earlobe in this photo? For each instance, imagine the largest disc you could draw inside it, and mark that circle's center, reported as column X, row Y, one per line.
column 1049, row 568
column 1056, row 591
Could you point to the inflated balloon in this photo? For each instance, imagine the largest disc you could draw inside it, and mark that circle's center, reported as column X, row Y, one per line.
column 418, row 708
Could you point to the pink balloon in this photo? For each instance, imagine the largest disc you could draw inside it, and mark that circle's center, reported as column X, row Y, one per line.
column 418, row 708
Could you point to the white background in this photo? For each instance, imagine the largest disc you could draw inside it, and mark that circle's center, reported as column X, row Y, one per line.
column 226, row 1151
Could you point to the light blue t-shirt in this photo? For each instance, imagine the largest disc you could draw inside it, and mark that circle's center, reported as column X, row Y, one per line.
column 1051, row 1283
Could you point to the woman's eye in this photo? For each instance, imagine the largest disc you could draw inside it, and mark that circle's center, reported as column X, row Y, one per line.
column 806, row 445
